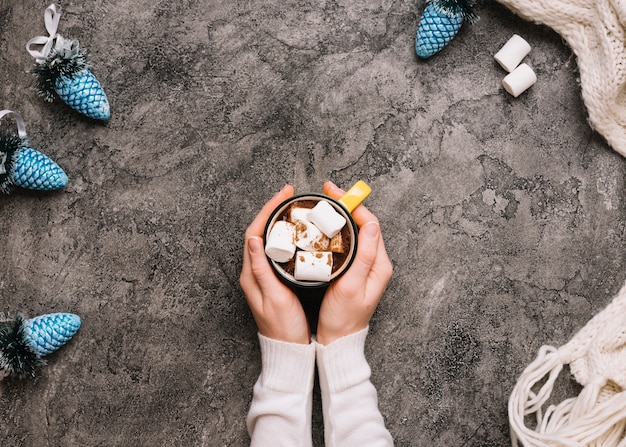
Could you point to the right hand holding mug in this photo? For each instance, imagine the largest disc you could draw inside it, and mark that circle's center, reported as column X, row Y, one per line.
column 350, row 302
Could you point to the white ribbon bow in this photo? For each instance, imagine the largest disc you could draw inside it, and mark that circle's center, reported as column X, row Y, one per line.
column 51, row 19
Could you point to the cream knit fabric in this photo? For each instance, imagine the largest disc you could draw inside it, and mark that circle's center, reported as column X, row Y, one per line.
column 597, row 416
column 595, row 30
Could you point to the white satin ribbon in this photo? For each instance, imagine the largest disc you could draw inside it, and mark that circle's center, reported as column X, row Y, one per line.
column 21, row 131
column 21, row 128
column 51, row 19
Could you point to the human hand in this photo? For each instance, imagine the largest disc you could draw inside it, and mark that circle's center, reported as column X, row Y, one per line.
column 349, row 302
column 276, row 309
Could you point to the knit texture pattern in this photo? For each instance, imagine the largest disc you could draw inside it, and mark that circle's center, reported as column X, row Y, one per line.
column 595, row 30
column 597, row 359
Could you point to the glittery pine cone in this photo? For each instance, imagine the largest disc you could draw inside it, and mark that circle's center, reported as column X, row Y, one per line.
column 23, row 166
column 24, row 343
column 440, row 23
column 49, row 332
column 66, row 74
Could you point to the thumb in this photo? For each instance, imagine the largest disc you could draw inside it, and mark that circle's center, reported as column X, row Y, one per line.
column 260, row 267
column 365, row 253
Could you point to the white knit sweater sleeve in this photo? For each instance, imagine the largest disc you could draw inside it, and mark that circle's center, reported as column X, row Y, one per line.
column 349, row 400
column 280, row 412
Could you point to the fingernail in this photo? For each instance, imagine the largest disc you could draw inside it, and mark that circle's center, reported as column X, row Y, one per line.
column 254, row 245
column 370, row 230
column 333, row 186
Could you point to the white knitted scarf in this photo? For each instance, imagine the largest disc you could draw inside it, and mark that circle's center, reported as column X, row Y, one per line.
column 597, row 416
column 595, row 30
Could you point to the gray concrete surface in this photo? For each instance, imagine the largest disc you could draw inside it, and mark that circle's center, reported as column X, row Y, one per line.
column 504, row 217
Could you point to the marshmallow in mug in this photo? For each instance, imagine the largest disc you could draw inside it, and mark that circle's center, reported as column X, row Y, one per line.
column 298, row 213
column 309, row 237
column 324, row 217
column 313, row 266
column 280, row 244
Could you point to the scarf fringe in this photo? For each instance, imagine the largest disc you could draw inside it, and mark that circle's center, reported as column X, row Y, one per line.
column 596, row 417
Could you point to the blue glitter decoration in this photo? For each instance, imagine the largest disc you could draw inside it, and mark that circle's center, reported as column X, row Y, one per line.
column 33, row 170
column 83, row 93
column 440, row 23
column 62, row 68
column 47, row 333
column 435, row 31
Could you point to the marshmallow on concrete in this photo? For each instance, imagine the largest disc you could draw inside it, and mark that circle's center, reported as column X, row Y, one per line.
column 519, row 80
column 309, row 237
column 512, row 53
column 324, row 216
column 280, row 244
column 313, row 266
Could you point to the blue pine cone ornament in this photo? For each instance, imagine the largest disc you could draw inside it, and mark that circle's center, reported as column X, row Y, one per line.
column 66, row 73
column 47, row 333
column 24, row 343
column 25, row 167
column 439, row 24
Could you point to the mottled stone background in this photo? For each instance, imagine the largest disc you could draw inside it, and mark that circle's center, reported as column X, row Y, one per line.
column 504, row 217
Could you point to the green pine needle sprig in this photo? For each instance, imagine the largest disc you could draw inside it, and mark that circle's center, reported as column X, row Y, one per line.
column 66, row 61
column 464, row 8
column 9, row 145
column 16, row 354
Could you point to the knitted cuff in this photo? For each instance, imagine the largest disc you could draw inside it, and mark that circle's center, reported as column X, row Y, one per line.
column 287, row 367
column 342, row 363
